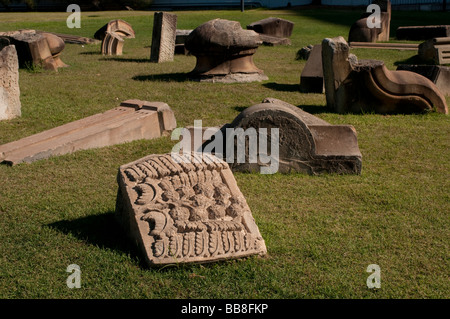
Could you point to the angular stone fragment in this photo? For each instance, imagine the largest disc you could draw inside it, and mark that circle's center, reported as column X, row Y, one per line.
column 112, row 44
column 311, row 79
column 185, row 209
column 273, row 31
column 224, row 52
column 163, row 37
column 120, row 27
column 438, row 74
column 306, row 143
column 417, row 33
column 436, row 50
column 132, row 120
column 368, row 86
column 10, row 106
column 361, row 32
column 275, row 27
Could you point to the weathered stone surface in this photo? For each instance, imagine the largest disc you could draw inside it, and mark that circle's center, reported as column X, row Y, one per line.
column 37, row 48
column 274, row 27
column 438, row 74
column 163, row 38
column 112, row 44
column 360, row 31
column 132, row 120
column 224, row 52
column 10, row 106
column 120, row 27
column 311, row 79
column 368, row 86
column 184, row 210
column 436, row 50
column 307, row 143
column 273, row 31
column 417, row 33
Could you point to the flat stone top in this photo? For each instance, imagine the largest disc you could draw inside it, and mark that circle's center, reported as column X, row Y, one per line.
column 221, row 34
column 188, row 208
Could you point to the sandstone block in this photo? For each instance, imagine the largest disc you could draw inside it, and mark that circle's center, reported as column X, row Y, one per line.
column 10, row 106
column 368, row 86
column 132, row 120
column 185, row 209
column 417, row 33
column 361, row 32
column 311, row 79
column 438, row 74
column 436, row 50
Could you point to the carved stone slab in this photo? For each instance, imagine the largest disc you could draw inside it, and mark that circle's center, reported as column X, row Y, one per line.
column 132, row 120
column 10, row 106
column 163, row 37
column 180, row 210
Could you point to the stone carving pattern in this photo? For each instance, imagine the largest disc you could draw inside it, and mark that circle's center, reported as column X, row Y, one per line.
column 190, row 209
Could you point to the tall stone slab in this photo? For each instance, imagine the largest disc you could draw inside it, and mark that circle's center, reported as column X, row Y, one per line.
column 10, row 106
column 163, row 38
column 185, row 209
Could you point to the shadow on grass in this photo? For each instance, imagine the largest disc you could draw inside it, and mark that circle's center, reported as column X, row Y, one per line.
column 168, row 77
column 100, row 230
column 282, row 87
column 413, row 60
column 126, row 60
column 91, row 53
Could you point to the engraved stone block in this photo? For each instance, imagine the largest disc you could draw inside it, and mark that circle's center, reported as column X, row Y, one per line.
column 185, row 208
column 163, row 38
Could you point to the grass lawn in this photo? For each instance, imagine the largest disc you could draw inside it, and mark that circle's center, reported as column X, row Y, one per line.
column 321, row 231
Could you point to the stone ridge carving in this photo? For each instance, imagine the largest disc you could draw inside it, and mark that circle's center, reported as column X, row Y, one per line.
column 132, row 120
column 184, row 210
column 112, row 44
column 121, row 27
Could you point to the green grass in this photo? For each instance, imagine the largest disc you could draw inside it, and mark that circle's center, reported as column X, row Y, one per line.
column 321, row 231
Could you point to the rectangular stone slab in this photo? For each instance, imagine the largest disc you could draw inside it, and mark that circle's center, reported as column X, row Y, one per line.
column 133, row 120
column 163, row 37
column 185, row 209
